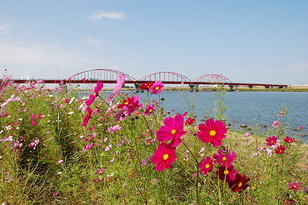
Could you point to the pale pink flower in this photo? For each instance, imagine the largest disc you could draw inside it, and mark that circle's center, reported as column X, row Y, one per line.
column 275, row 124
column 114, row 128
column 120, row 83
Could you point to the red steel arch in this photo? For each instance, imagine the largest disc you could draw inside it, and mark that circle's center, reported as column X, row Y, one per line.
column 166, row 76
column 215, row 78
column 100, row 74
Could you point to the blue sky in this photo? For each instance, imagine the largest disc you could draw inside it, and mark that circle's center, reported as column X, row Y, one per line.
column 251, row 41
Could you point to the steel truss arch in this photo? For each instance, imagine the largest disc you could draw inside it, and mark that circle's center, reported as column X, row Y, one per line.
column 101, row 74
column 215, row 78
column 166, row 76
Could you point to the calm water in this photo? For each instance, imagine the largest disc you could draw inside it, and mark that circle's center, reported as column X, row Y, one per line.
column 243, row 107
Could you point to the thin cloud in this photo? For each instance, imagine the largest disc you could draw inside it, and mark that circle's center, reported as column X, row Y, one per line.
column 4, row 29
column 104, row 14
column 93, row 41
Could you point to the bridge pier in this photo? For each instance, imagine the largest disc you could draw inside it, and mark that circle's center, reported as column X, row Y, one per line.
column 250, row 86
column 267, row 87
column 236, row 87
column 272, row 87
column 137, row 86
column 191, row 87
column 197, row 87
column 231, row 87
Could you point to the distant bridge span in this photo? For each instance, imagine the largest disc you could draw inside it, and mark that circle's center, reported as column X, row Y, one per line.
column 110, row 76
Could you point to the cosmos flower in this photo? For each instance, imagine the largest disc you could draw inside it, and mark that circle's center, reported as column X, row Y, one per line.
column 120, row 83
column 247, row 134
column 212, row 132
column 149, row 110
column 225, row 158
column 114, row 128
column 295, row 186
column 280, row 149
column 289, row 140
column 275, row 124
column 88, row 147
column 87, row 117
column 190, row 121
column 96, row 90
column 206, row 165
column 271, row 141
column 34, row 143
column 172, row 130
column 163, row 157
column 157, row 87
column 146, row 86
column 226, row 173
column 239, row 183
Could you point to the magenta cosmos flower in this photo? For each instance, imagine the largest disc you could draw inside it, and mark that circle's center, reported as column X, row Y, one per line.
column 164, row 156
column 120, row 83
column 225, row 158
column 172, row 130
column 212, row 132
column 206, row 165
column 295, row 186
column 280, row 149
column 289, row 140
column 87, row 117
column 157, row 87
column 149, row 110
column 271, row 141
column 96, row 90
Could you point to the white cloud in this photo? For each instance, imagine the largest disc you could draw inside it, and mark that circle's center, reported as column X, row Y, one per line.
column 93, row 41
column 38, row 59
column 4, row 29
column 104, row 14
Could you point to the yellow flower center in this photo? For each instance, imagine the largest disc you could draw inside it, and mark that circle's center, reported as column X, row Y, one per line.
column 226, row 172
column 239, row 184
column 212, row 133
column 100, row 172
column 126, row 103
column 166, row 156
column 173, row 132
column 207, row 166
column 95, row 94
column 294, row 187
column 224, row 158
column 156, row 88
column 150, row 110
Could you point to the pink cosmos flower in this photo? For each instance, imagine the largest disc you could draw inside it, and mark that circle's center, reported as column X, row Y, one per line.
column 271, row 141
column 33, row 122
column 295, row 186
column 87, row 117
column 212, row 132
column 157, row 87
column 301, row 127
column 289, row 140
column 100, row 171
column 185, row 113
column 6, row 114
column 172, row 130
column 96, row 90
column 275, row 124
column 34, row 143
column 225, row 158
column 88, row 147
column 206, row 165
column 120, row 83
column 182, row 83
column 60, row 161
column 247, row 134
column 114, row 128
column 149, row 110
column 190, row 121
column 164, row 156
column 56, row 193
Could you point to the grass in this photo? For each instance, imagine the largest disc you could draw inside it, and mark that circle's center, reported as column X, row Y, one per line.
column 117, row 169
